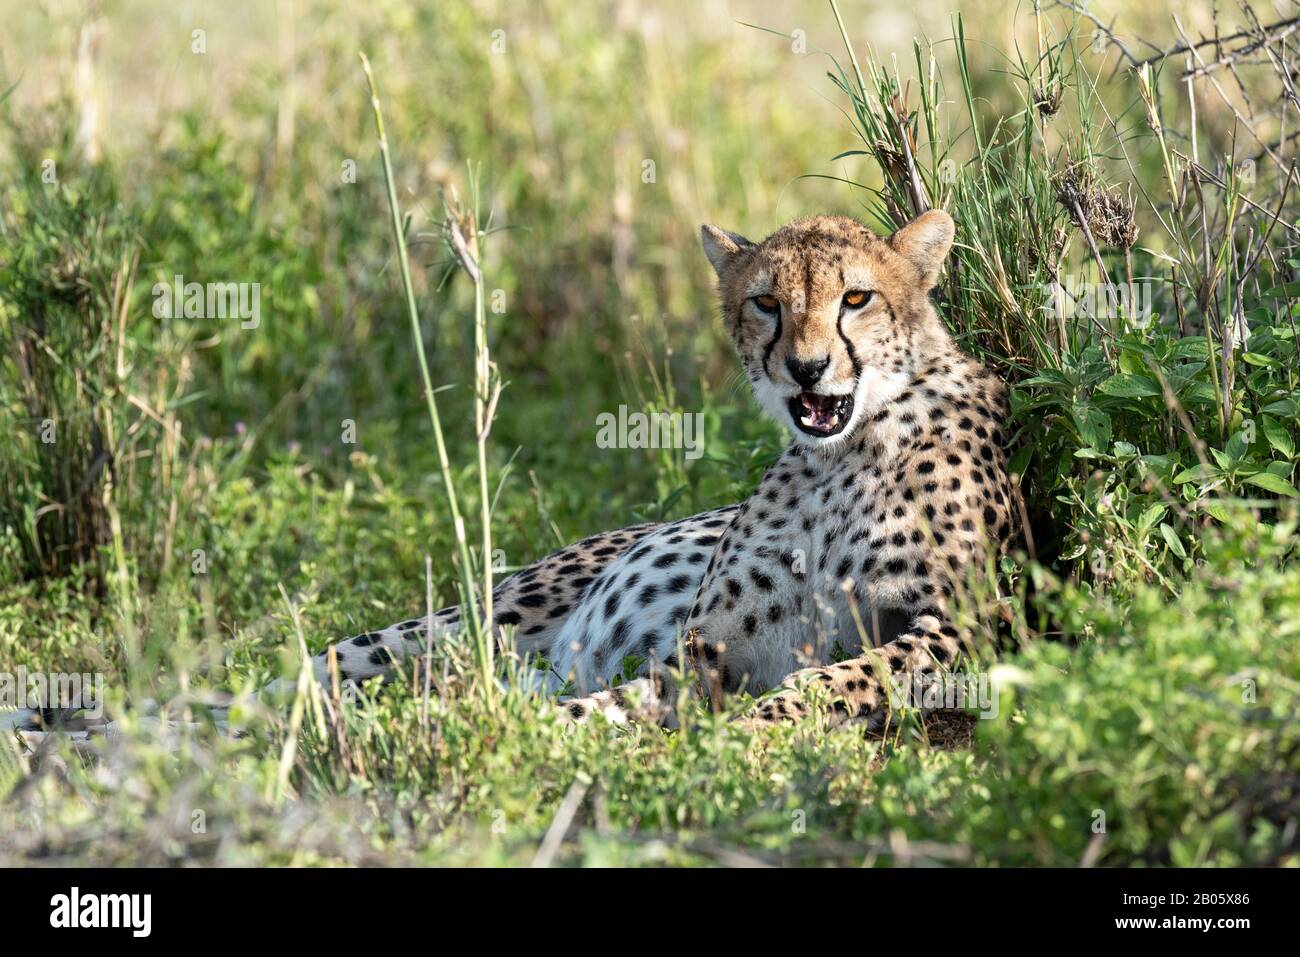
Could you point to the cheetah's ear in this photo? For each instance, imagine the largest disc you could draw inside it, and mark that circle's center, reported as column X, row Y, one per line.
column 722, row 247
column 925, row 241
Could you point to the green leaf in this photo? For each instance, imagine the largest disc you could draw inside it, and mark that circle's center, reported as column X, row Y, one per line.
column 1076, row 552
column 1237, row 446
column 1151, row 516
column 1262, row 341
column 1160, row 461
column 1255, row 359
column 1131, row 360
column 1197, row 473
column 1171, row 539
column 1020, row 461
column 1217, row 511
column 1273, row 483
column 1125, row 385
column 1283, row 407
column 1189, row 347
column 1093, row 425
column 1278, row 436
column 631, row 665
column 1050, row 378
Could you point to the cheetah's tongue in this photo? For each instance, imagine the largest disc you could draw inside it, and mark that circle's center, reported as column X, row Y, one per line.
column 819, row 411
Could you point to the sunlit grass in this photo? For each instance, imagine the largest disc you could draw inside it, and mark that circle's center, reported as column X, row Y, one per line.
column 1158, row 460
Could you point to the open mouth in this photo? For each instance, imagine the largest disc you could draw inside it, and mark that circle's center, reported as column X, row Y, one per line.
column 821, row 415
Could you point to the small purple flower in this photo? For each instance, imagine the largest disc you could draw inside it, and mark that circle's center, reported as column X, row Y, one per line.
column 240, row 428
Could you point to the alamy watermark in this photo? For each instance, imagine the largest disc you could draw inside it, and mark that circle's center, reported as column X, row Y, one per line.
column 1132, row 301
column 953, row 690
column 133, row 912
column 651, row 430
column 23, row 689
column 211, row 300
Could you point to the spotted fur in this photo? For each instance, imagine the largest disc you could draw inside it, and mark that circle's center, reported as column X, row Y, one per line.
column 864, row 533
column 865, row 528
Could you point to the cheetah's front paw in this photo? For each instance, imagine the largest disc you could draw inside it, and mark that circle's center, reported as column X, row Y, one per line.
column 784, row 707
column 642, row 700
column 851, row 689
column 579, row 710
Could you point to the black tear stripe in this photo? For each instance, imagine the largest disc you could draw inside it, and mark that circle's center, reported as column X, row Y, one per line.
column 807, row 285
column 853, row 355
column 767, row 350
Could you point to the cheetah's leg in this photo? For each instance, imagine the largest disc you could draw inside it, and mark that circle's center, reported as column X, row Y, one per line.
column 536, row 601
column 645, row 700
column 856, row 688
column 639, row 605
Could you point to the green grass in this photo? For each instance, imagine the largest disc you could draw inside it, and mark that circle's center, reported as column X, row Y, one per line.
column 1150, row 684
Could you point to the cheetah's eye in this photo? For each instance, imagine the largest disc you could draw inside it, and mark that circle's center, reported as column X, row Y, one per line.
column 767, row 304
column 856, row 298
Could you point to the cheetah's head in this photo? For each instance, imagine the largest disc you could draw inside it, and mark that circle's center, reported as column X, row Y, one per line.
column 831, row 320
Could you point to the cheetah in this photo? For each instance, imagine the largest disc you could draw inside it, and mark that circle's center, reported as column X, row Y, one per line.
column 892, row 492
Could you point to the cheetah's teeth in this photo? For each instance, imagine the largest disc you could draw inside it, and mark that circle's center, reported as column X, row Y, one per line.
column 811, row 422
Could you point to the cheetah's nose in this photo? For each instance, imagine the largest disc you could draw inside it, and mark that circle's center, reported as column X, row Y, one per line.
column 807, row 374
